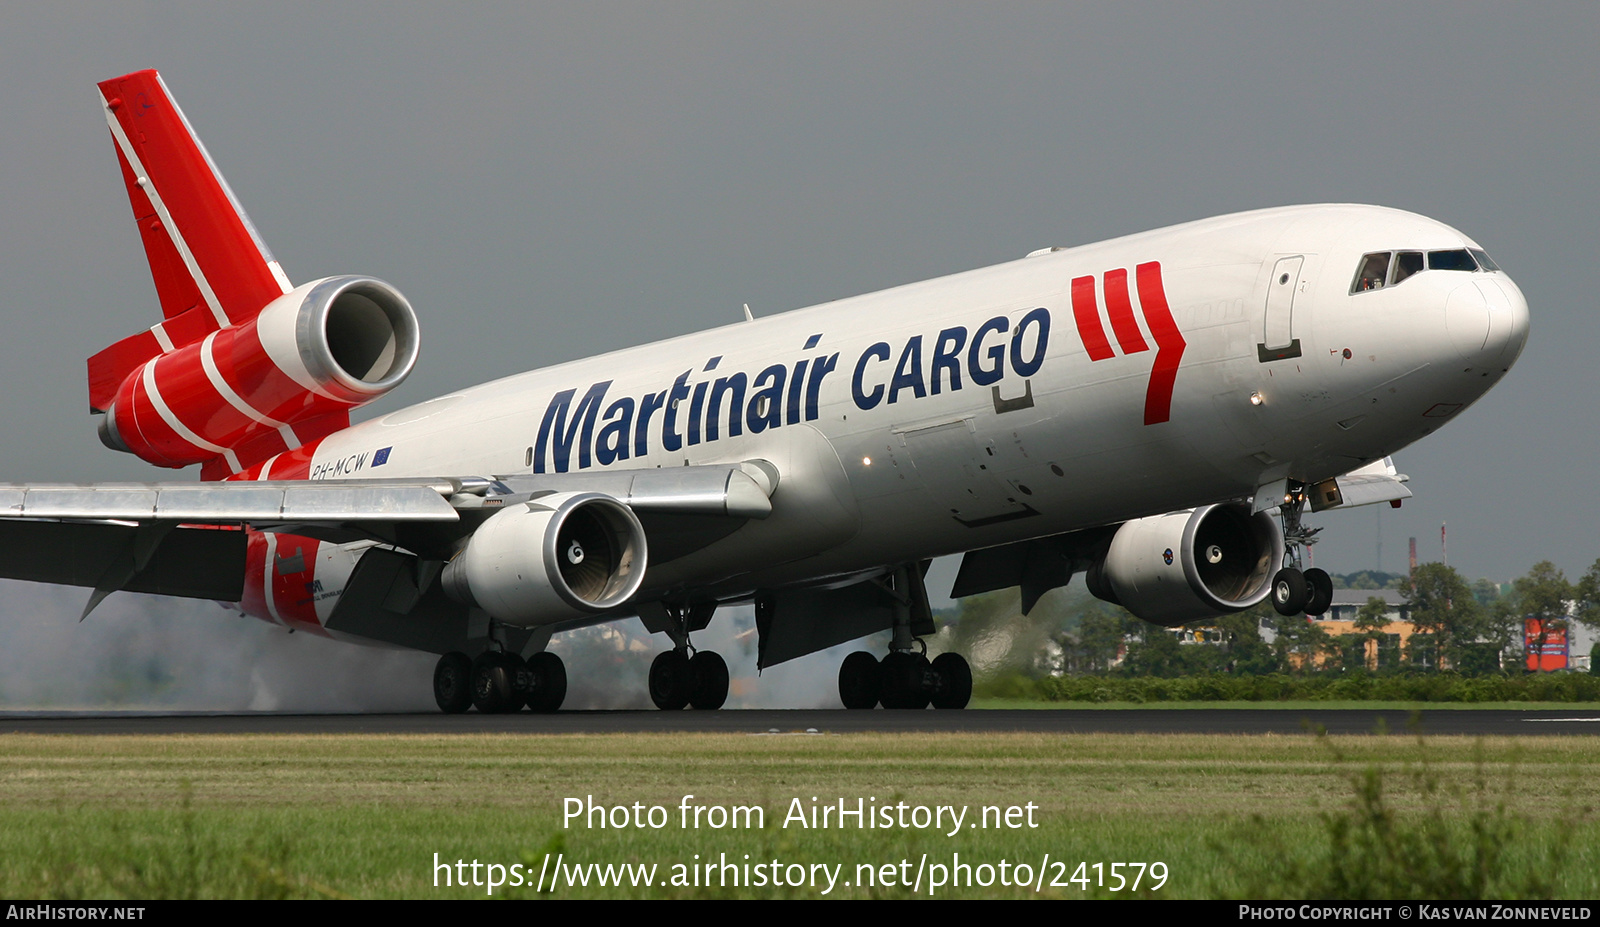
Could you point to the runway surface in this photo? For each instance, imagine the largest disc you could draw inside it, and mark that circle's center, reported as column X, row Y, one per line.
column 1061, row 721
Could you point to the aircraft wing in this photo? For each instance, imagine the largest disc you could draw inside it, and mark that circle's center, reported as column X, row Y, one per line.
column 161, row 537
column 232, row 503
column 729, row 490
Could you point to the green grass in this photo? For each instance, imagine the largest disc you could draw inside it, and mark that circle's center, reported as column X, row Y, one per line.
column 1553, row 689
column 1575, row 708
column 362, row 816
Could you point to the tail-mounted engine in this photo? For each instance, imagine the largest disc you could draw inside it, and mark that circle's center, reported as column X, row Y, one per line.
column 1189, row 565
column 560, row 556
column 318, row 350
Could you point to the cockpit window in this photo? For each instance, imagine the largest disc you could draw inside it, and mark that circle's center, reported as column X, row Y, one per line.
column 1406, row 263
column 1371, row 273
column 1381, row 268
column 1451, row 260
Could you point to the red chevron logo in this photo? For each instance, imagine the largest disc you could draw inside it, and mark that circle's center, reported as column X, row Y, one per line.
column 1119, row 309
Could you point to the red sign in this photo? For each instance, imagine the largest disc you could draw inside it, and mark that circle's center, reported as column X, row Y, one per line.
column 1553, row 655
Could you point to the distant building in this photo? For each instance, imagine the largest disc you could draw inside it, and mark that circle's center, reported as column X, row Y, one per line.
column 1347, row 602
column 1571, row 651
column 1205, row 634
column 1340, row 619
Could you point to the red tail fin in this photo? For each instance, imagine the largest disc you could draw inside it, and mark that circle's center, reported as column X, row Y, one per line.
column 210, row 267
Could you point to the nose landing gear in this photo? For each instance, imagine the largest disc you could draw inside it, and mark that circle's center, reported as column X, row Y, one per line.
column 1297, row 592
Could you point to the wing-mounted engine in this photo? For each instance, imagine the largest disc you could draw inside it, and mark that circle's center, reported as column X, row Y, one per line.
column 239, row 393
column 560, row 556
column 1190, row 565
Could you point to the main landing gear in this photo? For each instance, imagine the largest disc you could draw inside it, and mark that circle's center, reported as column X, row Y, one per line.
column 683, row 676
column 497, row 682
column 1297, row 592
column 906, row 679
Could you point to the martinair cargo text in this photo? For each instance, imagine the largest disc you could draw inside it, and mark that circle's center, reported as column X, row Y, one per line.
column 1157, row 412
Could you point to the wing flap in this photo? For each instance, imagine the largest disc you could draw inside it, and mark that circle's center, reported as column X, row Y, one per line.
column 196, row 563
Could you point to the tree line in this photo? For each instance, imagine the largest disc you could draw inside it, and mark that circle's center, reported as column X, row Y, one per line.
column 1466, row 628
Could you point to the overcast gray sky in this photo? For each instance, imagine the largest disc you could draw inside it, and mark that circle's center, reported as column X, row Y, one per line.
column 549, row 182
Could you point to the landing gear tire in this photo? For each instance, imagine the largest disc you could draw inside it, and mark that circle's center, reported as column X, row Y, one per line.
column 671, row 681
column 952, row 681
column 905, row 680
column 709, row 673
column 452, row 683
column 1319, row 591
column 860, row 680
column 494, row 683
column 547, row 688
column 1289, row 592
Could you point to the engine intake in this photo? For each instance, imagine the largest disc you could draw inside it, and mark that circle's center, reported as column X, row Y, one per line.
column 1189, row 565
column 560, row 556
column 355, row 337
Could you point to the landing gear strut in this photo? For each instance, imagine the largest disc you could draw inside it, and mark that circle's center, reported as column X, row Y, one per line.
column 905, row 678
column 1295, row 592
column 683, row 676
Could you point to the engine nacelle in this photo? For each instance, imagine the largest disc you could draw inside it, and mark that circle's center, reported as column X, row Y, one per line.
column 560, row 556
column 1189, row 565
column 328, row 346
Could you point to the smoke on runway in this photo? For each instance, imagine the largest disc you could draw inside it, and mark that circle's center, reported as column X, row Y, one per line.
column 150, row 652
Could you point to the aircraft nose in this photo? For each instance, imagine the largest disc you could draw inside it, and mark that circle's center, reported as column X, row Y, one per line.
column 1488, row 321
column 1508, row 321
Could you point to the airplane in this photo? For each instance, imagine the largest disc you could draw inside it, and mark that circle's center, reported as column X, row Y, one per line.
column 1158, row 412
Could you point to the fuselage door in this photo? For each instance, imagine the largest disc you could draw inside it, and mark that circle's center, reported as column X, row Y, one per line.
column 1277, row 335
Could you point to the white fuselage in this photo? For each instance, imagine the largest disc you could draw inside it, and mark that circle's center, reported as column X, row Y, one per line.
column 895, row 440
